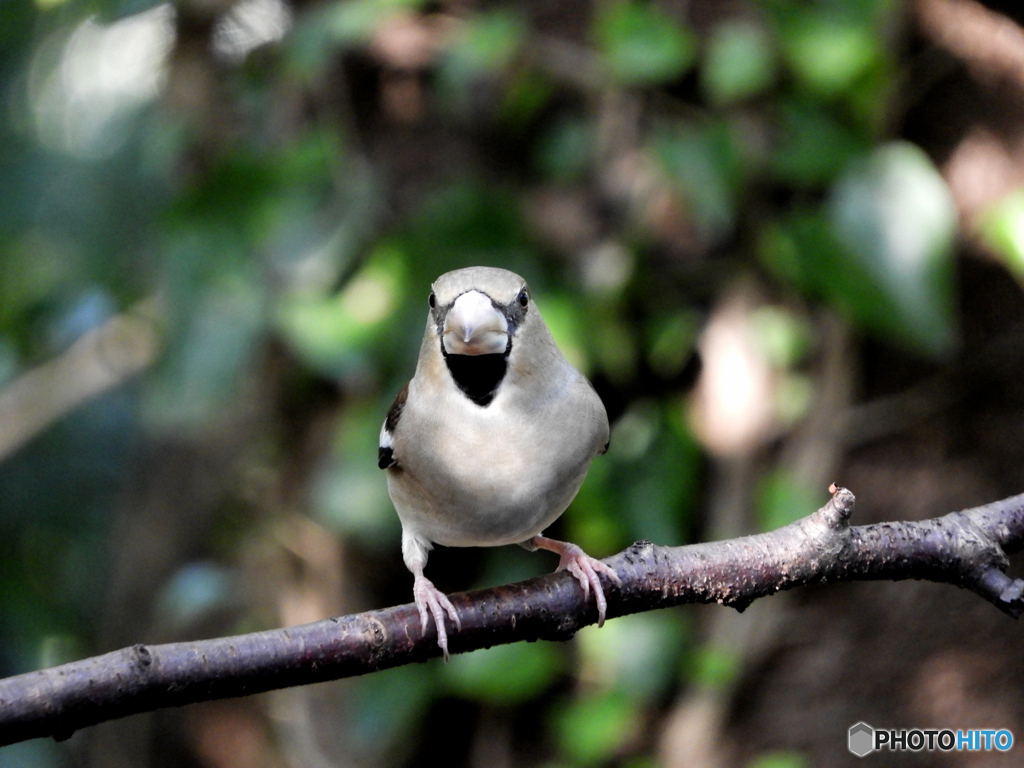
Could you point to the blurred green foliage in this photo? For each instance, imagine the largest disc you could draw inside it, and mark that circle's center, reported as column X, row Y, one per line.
column 1001, row 229
column 739, row 62
column 779, row 760
column 286, row 206
column 641, row 44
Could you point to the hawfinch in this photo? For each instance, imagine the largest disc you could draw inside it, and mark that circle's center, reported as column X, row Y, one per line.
column 492, row 438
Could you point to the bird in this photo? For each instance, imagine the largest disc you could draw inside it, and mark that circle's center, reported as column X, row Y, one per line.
column 490, row 440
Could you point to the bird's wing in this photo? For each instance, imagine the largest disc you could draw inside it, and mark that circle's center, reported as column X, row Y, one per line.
column 385, row 450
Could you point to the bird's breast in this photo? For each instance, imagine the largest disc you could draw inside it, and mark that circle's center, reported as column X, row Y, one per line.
column 486, row 476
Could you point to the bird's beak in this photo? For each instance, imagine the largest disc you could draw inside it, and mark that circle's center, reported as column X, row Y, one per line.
column 475, row 327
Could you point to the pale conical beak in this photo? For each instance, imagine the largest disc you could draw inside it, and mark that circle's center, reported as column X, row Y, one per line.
column 475, row 327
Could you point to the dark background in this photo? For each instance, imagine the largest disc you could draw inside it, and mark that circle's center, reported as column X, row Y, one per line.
column 784, row 239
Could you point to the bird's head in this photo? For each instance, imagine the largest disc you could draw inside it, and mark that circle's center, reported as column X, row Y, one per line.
column 476, row 315
column 477, row 311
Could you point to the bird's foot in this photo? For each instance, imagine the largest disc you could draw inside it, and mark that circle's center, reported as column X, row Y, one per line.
column 584, row 567
column 430, row 601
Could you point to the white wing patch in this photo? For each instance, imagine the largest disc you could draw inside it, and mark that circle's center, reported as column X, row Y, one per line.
column 385, row 452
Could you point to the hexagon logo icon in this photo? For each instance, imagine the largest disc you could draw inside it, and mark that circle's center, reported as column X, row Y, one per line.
column 861, row 739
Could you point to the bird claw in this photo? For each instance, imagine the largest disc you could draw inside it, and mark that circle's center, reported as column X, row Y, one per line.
column 586, row 569
column 430, row 601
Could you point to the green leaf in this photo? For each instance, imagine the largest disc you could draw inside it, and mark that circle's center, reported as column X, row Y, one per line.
column 525, row 98
column 386, row 707
column 485, row 45
column 635, row 654
column 1002, row 230
column 591, row 729
column 739, row 62
column 801, row 250
column 593, row 521
column 469, row 223
column 813, row 146
column 781, row 336
column 642, row 45
column 881, row 249
column 348, row 494
column 655, row 472
column 828, row 54
column 568, row 327
column 896, row 218
column 332, row 333
column 779, row 760
column 714, row 667
column 706, row 165
column 565, row 151
column 671, row 342
column 217, row 330
column 505, row 674
column 354, row 22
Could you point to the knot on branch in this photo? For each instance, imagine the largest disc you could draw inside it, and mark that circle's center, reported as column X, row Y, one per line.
column 975, row 550
column 837, row 510
column 827, row 531
column 638, row 551
column 983, row 565
column 1005, row 593
column 143, row 657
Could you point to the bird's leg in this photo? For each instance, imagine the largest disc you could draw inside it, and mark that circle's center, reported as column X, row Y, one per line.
column 581, row 565
column 430, row 601
column 433, row 602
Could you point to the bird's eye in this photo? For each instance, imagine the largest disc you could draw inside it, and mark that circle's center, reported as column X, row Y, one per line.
column 524, row 298
column 432, row 301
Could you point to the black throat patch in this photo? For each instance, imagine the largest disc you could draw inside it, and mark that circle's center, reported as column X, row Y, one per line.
column 478, row 376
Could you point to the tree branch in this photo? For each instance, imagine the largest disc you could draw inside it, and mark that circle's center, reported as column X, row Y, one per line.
column 968, row 549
